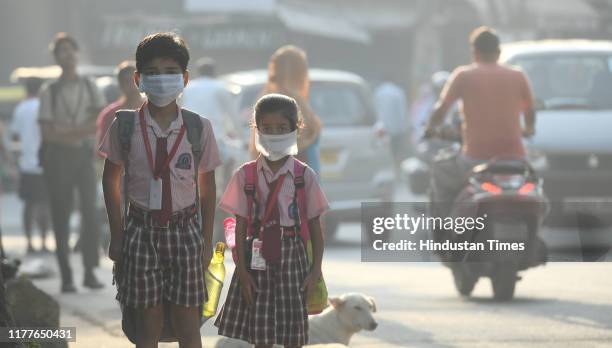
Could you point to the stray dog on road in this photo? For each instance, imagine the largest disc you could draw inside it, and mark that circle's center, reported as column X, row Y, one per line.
column 334, row 327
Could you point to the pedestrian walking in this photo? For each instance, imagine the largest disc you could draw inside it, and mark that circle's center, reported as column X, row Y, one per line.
column 130, row 99
column 68, row 110
column 392, row 110
column 32, row 188
column 288, row 75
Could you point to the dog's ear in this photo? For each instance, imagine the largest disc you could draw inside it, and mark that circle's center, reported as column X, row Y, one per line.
column 336, row 302
column 372, row 303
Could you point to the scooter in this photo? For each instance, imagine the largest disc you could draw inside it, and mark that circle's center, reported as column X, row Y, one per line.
column 507, row 195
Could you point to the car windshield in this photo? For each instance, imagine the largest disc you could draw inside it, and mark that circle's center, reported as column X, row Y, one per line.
column 570, row 81
column 336, row 103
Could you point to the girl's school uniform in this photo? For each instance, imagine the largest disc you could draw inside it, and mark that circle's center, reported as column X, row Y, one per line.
column 279, row 314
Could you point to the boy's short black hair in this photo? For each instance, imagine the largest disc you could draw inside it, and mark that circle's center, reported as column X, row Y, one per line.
column 484, row 40
column 59, row 39
column 32, row 85
column 272, row 103
column 162, row 45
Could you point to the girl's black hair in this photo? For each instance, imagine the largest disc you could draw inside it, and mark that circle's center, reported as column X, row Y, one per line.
column 273, row 103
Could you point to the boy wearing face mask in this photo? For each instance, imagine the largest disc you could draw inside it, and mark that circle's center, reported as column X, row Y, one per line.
column 163, row 251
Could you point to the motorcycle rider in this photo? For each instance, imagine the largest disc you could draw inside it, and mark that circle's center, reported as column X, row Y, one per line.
column 493, row 98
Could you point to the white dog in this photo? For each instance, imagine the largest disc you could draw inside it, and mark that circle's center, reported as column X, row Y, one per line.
column 334, row 327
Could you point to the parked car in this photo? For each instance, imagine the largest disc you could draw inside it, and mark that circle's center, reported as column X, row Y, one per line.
column 356, row 165
column 572, row 148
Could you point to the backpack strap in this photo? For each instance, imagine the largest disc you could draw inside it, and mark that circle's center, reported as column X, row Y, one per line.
column 250, row 187
column 300, row 191
column 193, row 125
column 90, row 92
column 54, row 89
column 125, row 125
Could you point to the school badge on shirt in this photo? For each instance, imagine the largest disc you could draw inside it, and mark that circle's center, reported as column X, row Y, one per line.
column 183, row 161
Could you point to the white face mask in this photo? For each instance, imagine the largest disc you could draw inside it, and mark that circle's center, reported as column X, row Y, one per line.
column 163, row 89
column 276, row 146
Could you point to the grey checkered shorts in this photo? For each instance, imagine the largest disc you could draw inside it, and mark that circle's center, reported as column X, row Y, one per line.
column 279, row 315
column 161, row 264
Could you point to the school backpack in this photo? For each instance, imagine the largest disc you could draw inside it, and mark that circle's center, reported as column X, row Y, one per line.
column 125, row 123
column 250, row 188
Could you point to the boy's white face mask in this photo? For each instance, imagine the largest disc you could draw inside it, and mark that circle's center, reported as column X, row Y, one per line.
column 276, row 146
column 162, row 89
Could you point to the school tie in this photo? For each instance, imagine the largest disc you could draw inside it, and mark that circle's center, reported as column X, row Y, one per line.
column 161, row 153
column 272, row 232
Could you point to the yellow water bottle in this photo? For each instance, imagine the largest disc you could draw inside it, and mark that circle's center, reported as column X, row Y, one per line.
column 214, row 276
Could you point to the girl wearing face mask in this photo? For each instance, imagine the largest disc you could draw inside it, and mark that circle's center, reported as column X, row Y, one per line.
column 266, row 303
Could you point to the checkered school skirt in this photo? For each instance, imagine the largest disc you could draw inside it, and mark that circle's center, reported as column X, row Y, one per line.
column 161, row 263
column 279, row 315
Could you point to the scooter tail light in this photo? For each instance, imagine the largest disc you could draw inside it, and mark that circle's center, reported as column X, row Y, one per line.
column 527, row 188
column 491, row 188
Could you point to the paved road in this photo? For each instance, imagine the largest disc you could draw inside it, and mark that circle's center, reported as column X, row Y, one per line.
column 558, row 305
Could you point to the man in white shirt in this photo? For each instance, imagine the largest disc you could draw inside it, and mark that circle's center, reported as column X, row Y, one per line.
column 392, row 110
column 32, row 189
column 208, row 96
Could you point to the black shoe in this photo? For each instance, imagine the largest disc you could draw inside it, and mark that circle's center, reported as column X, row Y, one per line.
column 68, row 288
column 92, row 282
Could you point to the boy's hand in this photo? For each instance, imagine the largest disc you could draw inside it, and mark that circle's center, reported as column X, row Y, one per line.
column 207, row 256
column 247, row 287
column 311, row 280
column 114, row 250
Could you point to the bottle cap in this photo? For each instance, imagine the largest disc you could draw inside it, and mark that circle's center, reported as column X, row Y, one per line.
column 220, row 248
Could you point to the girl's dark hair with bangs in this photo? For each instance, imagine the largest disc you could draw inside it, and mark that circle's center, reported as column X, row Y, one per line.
column 162, row 45
column 273, row 103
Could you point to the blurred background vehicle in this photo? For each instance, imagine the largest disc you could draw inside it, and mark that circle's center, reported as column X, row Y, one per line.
column 356, row 165
column 572, row 147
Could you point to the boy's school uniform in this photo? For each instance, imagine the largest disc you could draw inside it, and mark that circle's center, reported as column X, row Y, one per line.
column 279, row 315
column 161, row 263
column 181, row 165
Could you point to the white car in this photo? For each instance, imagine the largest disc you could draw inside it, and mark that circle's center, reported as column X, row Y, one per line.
column 572, row 84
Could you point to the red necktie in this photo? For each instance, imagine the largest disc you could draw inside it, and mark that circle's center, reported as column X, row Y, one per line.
column 272, row 233
column 161, row 153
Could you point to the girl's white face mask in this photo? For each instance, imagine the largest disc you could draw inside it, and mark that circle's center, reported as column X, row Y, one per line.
column 276, row 146
column 162, row 89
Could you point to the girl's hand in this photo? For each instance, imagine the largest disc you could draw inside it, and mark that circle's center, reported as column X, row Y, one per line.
column 247, row 287
column 311, row 281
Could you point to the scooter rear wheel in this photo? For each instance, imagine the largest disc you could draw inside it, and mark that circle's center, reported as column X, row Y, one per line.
column 464, row 280
column 503, row 281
